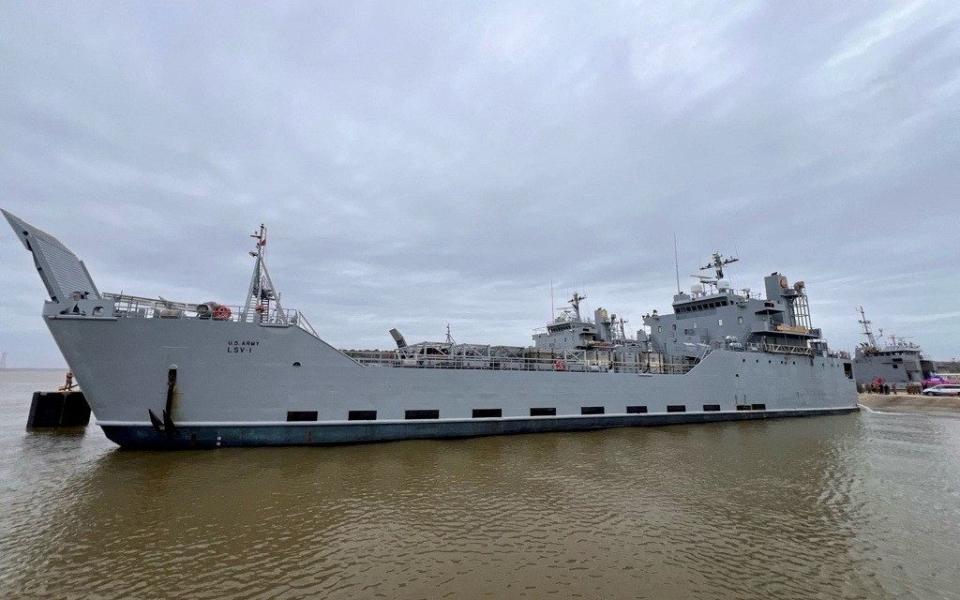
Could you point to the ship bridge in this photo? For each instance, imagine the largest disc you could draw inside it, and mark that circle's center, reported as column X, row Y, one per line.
column 713, row 314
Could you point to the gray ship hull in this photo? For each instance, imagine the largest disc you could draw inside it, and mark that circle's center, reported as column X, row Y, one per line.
column 146, row 437
column 229, row 398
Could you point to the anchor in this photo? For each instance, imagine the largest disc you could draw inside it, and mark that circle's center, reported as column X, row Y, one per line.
column 166, row 425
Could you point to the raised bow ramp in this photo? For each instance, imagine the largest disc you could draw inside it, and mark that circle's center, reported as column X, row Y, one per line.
column 64, row 275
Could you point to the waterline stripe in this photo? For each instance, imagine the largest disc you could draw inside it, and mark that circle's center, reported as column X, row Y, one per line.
column 466, row 419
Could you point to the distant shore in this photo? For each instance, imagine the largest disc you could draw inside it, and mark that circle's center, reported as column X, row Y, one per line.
column 910, row 403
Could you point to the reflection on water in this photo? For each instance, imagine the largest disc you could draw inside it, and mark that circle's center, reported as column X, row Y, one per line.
column 858, row 506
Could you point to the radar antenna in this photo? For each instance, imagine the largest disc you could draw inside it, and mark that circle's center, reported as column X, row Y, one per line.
column 866, row 327
column 575, row 303
column 718, row 263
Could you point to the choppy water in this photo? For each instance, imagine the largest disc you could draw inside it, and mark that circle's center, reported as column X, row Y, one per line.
column 864, row 505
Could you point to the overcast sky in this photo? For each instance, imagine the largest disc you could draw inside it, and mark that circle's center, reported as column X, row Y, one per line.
column 418, row 164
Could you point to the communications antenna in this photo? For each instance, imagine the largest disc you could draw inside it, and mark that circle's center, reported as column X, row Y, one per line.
column 553, row 311
column 676, row 261
column 575, row 303
column 717, row 263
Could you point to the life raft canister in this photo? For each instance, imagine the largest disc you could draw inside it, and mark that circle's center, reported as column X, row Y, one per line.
column 222, row 313
column 559, row 365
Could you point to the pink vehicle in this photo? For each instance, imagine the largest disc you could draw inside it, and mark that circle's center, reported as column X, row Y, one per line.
column 935, row 379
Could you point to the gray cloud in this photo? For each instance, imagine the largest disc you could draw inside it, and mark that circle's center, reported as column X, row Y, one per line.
column 432, row 163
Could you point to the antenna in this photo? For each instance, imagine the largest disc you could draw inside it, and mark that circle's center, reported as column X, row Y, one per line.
column 717, row 263
column 553, row 311
column 450, row 339
column 676, row 260
column 575, row 302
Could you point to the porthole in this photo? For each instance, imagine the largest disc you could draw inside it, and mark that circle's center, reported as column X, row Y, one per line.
column 296, row 364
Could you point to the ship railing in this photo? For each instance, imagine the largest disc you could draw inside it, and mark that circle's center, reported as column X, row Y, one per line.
column 556, row 365
column 138, row 307
column 774, row 348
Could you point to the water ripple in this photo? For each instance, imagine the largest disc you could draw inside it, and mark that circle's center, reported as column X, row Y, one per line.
column 860, row 506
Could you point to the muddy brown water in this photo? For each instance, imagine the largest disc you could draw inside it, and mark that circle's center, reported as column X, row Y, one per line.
column 863, row 506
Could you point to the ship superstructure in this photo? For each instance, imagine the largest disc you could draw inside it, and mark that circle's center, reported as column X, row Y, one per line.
column 162, row 374
column 715, row 315
column 893, row 361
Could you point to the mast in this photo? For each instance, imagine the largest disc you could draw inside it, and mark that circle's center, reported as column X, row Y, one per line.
column 261, row 293
column 866, row 327
column 575, row 303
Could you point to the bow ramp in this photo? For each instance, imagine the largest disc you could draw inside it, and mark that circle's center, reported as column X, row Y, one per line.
column 64, row 275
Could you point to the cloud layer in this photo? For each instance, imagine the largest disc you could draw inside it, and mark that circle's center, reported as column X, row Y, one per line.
column 418, row 165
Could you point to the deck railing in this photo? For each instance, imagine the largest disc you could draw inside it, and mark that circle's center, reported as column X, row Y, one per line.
column 137, row 307
column 558, row 365
column 779, row 349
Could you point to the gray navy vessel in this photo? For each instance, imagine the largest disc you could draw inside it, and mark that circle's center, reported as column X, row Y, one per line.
column 897, row 362
column 162, row 374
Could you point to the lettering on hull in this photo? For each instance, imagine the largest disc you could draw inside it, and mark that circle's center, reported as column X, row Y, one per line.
column 242, row 346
